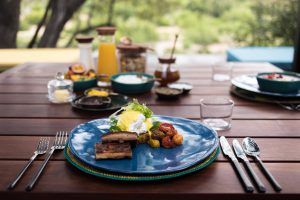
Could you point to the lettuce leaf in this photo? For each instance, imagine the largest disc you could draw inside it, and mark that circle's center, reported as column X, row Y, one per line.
column 142, row 108
column 113, row 124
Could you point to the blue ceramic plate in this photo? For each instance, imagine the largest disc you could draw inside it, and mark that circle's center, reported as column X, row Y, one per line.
column 199, row 142
column 249, row 82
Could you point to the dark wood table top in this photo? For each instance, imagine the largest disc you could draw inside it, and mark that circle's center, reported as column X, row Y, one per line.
column 26, row 114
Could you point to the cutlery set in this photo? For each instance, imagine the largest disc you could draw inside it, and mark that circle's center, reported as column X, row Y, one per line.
column 250, row 148
column 59, row 143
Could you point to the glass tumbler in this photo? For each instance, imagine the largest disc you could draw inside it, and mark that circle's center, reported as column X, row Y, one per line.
column 216, row 112
column 221, row 71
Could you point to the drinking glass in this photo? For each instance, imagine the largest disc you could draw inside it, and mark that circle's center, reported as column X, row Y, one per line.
column 216, row 112
column 221, row 71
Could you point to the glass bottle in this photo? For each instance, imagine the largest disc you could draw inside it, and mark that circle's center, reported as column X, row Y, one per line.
column 167, row 72
column 86, row 52
column 107, row 58
column 60, row 90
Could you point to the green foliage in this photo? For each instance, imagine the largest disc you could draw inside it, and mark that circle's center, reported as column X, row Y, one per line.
column 138, row 29
column 201, row 22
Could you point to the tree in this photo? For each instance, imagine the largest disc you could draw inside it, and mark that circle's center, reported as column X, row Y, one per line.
column 61, row 12
column 9, row 22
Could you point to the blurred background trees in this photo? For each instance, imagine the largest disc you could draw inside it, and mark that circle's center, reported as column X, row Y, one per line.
column 204, row 26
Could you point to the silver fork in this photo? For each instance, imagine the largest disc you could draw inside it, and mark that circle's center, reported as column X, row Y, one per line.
column 41, row 149
column 58, row 144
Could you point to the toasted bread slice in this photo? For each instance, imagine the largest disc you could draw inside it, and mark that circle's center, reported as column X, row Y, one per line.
column 120, row 137
column 112, row 151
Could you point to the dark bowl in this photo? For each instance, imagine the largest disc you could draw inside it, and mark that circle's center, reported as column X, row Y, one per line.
column 168, row 93
column 94, row 102
column 125, row 88
column 278, row 86
column 84, row 85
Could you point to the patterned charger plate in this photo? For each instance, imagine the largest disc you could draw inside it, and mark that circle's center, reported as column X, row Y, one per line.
column 137, row 177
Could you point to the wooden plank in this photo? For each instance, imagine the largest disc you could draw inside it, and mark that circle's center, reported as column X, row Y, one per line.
column 240, row 128
column 149, row 99
column 273, row 149
column 42, row 89
column 193, row 186
column 66, row 111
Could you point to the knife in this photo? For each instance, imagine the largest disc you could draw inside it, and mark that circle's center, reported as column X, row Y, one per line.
column 241, row 154
column 228, row 151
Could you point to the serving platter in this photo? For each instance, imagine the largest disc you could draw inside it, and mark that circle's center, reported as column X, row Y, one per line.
column 199, row 143
column 249, row 83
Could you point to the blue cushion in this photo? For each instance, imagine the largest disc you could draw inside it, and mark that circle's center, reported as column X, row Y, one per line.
column 278, row 56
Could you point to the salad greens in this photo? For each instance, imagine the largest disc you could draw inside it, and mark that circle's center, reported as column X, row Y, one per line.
column 135, row 106
column 113, row 124
column 142, row 108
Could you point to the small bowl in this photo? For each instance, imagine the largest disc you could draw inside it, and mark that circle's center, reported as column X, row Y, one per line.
column 279, row 86
column 94, row 102
column 185, row 87
column 135, row 88
column 168, row 93
column 84, row 85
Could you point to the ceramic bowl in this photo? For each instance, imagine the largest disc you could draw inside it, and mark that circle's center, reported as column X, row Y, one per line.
column 129, row 88
column 84, row 85
column 279, row 86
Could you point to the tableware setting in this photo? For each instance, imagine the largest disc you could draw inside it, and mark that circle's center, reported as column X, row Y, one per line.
column 249, row 148
column 135, row 145
column 278, row 88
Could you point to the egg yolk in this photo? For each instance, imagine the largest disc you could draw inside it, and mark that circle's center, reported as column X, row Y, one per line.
column 129, row 117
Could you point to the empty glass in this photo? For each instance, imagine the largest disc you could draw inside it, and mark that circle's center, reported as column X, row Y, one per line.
column 216, row 112
column 221, row 71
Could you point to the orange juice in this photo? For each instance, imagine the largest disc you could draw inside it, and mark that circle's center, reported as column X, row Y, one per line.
column 107, row 60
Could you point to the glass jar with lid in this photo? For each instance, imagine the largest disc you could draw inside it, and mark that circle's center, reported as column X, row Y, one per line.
column 60, row 90
column 132, row 58
column 167, row 71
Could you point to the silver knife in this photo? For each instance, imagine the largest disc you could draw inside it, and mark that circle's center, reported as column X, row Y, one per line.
column 228, row 151
column 241, row 154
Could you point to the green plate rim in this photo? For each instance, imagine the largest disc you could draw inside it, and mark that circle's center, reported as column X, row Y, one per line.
column 127, row 177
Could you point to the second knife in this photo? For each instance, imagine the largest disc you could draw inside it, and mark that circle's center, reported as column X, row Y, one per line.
column 241, row 154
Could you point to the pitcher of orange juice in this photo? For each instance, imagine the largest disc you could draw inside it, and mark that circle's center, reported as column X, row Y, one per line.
column 107, row 58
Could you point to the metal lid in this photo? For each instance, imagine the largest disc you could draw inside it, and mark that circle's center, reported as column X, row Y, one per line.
column 106, row 30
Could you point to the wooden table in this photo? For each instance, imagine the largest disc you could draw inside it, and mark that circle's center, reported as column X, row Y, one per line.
column 26, row 114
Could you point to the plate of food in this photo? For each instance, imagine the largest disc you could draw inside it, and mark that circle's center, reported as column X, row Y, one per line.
column 250, row 83
column 98, row 99
column 135, row 141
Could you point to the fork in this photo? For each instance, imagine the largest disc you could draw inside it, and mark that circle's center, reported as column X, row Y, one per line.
column 59, row 143
column 290, row 106
column 41, row 149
